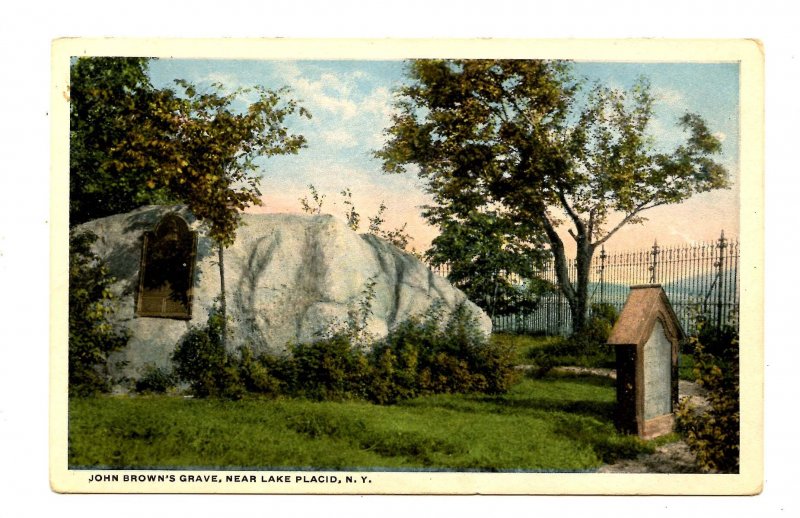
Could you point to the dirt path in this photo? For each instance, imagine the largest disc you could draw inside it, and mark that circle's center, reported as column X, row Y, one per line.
column 674, row 457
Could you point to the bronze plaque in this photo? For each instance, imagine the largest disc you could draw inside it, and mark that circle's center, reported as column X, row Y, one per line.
column 166, row 275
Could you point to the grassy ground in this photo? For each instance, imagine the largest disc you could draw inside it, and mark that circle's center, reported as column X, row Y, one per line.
column 686, row 367
column 549, row 424
column 523, row 344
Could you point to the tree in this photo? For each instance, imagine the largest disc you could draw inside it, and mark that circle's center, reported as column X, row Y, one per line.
column 91, row 335
column 493, row 259
column 523, row 139
column 110, row 98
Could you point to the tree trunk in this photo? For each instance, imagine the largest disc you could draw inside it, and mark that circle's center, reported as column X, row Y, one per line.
column 223, row 309
column 562, row 272
column 583, row 262
column 578, row 295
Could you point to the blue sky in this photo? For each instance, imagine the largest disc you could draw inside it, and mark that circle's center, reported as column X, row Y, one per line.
column 351, row 104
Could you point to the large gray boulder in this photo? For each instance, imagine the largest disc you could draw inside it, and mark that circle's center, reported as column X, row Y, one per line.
column 289, row 278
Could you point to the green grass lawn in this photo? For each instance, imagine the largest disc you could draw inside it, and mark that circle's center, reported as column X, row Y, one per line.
column 686, row 367
column 523, row 344
column 557, row 423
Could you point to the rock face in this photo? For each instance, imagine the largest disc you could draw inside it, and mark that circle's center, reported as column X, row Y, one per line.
column 288, row 279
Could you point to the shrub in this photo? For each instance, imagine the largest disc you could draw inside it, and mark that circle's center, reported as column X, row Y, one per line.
column 330, row 368
column 587, row 349
column 495, row 362
column 394, row 374
column 155, row 380
column 601, row 322
column 92, row 337
column 282, row 369
column 577, row 350
column 255, row 375
column 200, row 359
column 714, row 435
column 422, row 357
column 716, row 339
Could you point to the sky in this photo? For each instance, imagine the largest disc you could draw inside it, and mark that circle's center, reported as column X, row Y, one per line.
column 351, row 103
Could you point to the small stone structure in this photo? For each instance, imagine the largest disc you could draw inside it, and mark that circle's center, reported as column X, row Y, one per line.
column 646, row 339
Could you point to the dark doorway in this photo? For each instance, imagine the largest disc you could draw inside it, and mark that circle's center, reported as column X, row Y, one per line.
column 166, row 274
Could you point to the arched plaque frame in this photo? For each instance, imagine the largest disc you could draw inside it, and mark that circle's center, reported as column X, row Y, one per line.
column 166, row 273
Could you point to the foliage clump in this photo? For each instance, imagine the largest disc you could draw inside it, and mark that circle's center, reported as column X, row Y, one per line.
column 327, row 369
column 713, row 434
column 585, row 349
column 155, row 380
column 421, row 356
column 602, row 318
column 201, row 360
column 92, row 337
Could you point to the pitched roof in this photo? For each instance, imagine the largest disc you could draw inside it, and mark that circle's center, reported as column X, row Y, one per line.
column 645, row 304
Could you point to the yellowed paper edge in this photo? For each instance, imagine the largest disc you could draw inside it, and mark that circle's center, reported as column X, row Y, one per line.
column 748, row 53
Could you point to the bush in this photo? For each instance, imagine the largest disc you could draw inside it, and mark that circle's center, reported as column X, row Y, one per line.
column 587, row 349
column 155, row 380
column 574, row 351
column 716, row 339
column 394, row 375
column 255, row 375
column 601, row 322
column 496, row 362
column 421, row 357
column 91, row 303
column 330, row 368
column 200, row 360
column 714, row 435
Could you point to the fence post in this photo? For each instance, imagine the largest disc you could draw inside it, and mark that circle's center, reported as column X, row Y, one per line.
column 722, row 244
column 654, row 263
column 602, row 270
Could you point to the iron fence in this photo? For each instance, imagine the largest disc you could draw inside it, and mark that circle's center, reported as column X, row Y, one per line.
column 699, row 277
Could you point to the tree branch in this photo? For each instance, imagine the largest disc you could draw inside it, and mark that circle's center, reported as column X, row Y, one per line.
column 638, row 210
column 499, row 111
column 580, row 226
column 559, row 257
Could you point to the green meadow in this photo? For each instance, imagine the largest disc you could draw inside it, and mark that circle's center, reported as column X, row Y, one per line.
column 557, row 423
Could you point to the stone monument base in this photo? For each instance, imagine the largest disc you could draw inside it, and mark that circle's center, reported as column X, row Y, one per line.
column 658, row 426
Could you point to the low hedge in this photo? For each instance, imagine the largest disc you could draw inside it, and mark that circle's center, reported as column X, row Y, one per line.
column 420, row 356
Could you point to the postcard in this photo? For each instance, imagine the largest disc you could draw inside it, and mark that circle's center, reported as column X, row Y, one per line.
column 508, row 267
